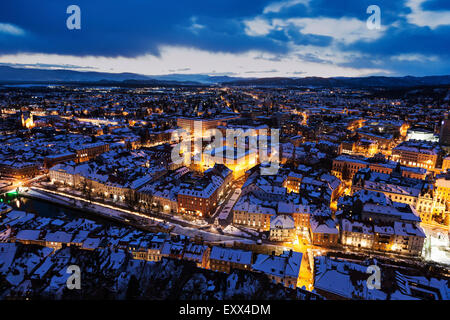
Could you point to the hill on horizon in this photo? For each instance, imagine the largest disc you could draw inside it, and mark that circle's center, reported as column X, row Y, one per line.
column 10, row 74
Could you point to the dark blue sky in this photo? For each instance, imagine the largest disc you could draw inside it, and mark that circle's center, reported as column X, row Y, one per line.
column 235, row 37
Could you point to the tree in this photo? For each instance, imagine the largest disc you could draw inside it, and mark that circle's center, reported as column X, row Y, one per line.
column 86, row 189
column 159, row 208
column 130, row 199
column 104, row 196
column 147, row 209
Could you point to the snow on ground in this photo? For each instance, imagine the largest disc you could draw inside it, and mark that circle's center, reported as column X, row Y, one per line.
column 196, row 222
column 235, row 231
column 187, row 231
column 208, row 236
column 223, row 215
column 440, row 252
column 437, row 246
column 199, row 222
column 251, row 231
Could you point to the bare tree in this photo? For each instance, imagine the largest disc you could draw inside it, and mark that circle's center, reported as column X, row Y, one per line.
column 86, row 189
column 130, row 199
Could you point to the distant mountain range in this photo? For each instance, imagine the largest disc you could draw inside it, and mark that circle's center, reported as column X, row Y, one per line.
column 13, row 75
column 356, row 82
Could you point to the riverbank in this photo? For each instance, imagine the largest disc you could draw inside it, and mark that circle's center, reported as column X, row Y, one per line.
column 128, row 217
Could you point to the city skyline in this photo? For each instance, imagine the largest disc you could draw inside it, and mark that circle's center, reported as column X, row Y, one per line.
column 225, row 158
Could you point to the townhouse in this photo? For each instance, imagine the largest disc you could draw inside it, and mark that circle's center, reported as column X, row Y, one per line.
column 226, row 259
column 283, row 269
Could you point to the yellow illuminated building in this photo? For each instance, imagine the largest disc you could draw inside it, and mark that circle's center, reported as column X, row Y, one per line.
column 237, row 161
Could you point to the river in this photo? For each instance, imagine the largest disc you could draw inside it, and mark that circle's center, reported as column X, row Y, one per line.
column 47, row 209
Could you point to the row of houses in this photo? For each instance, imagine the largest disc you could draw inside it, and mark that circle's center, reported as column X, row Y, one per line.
column 294, row 193
column 421, row 194
column 366, row 220
column 401, row 283
column 370, row 220
column 78, row 154
column 346, row 166
column 56, row 240
column 179, row 190
column 29, row 229
column 284, row 268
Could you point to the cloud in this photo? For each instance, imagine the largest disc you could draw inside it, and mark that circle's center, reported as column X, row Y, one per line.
column 346, row 30
column 414, row 57
column 278, row 6
column 195, row 27
column 262, row 71
column 424, row 18
column 200, row 62
column 317, row 37
column 134, row 27
column 257, row 27
column 11, row 29
column 49, row 66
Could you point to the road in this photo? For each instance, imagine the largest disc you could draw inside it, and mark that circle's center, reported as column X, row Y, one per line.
column 306, row 277
column 224, row 215
column 221, row 206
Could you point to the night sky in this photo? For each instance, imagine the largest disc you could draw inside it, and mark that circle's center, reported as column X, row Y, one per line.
column 243, row 38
